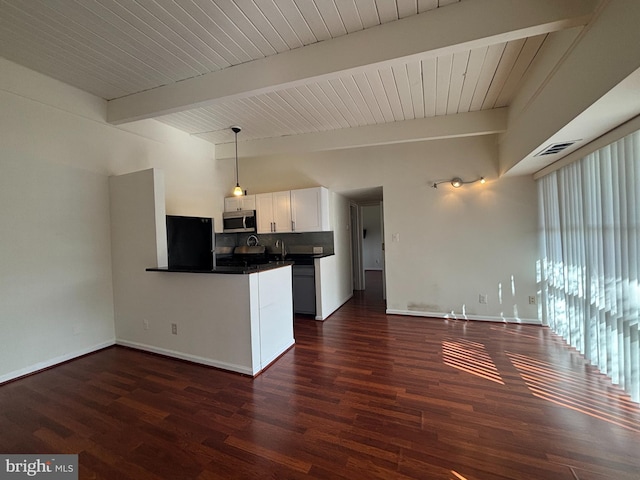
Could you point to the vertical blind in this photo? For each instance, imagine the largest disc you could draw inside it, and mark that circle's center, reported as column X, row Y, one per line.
column 589, row 262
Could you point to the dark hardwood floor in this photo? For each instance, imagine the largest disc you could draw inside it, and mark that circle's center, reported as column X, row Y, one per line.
column 362, row 395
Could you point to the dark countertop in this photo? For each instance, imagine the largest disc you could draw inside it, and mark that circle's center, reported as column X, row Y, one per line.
column 296, row 258
column 305, row 258
column 290, row 259
column 233, row 270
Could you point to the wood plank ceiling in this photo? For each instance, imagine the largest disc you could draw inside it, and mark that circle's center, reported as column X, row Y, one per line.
column 117, row 48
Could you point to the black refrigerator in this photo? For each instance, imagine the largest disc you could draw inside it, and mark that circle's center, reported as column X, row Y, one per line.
column 190, row 242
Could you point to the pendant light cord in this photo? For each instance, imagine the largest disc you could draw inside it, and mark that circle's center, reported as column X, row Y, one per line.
column 236, row 134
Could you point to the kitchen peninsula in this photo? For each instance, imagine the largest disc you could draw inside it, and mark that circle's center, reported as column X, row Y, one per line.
column 238, row 318
column 235, row 318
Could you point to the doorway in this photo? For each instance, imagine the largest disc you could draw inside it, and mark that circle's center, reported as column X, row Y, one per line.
column 367, row 245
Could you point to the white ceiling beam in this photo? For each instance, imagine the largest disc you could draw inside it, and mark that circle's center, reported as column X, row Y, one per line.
column 464, row 25
column 484, row 122
column 607, row 55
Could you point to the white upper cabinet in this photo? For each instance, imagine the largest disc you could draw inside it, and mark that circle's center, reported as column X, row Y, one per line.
column 273, row 212
column 264, row 212
column 310, row 210
column 245, row 202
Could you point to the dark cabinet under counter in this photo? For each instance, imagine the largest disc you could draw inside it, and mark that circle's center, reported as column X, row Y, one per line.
column 304, row 288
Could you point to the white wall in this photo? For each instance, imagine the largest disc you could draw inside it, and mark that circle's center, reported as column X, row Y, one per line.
column 53, row 122
column 333, row 273
column 453, row 244
column 55, row 263
column 56, row 297
column 57, row 151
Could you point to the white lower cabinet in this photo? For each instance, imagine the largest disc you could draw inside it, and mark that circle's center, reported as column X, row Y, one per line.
column 275, row 303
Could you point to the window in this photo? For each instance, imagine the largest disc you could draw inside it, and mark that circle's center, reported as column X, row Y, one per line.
column 590, row 258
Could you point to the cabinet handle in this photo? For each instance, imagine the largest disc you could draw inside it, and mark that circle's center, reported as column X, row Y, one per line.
column 293, row 226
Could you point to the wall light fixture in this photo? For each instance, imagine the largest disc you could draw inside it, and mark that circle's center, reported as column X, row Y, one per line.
column 457, row 182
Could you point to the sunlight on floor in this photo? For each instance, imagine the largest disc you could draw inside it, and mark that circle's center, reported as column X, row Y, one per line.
column 509, row 331
column 457, row 475
column 548, row 382
column 470, row 357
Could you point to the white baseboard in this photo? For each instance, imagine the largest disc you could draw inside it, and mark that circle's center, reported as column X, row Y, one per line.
column 185, row 356
column 455, row 316
column 54, row 361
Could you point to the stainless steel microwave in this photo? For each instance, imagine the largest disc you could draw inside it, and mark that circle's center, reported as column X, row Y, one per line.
column 238, row 222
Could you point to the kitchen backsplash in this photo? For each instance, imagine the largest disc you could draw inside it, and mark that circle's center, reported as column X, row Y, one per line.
column 295, row 243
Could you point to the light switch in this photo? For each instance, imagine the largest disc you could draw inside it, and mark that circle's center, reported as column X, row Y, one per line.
column 395, row 237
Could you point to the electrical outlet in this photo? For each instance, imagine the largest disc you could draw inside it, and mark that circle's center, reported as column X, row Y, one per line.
column 174, row 328
column 145, row 324
column 482, row 298
column 532, row 300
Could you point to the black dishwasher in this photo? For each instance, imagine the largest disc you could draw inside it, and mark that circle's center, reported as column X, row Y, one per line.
column 304, row 288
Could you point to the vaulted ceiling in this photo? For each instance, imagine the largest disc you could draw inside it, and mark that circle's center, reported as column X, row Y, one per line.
column 298, row 74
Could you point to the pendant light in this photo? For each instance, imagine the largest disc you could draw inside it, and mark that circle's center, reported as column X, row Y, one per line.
column 238, row 190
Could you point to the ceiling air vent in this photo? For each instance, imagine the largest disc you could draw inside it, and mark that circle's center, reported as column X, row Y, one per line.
column 555, row 148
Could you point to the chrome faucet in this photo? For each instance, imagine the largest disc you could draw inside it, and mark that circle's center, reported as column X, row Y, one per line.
column 283, row 251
